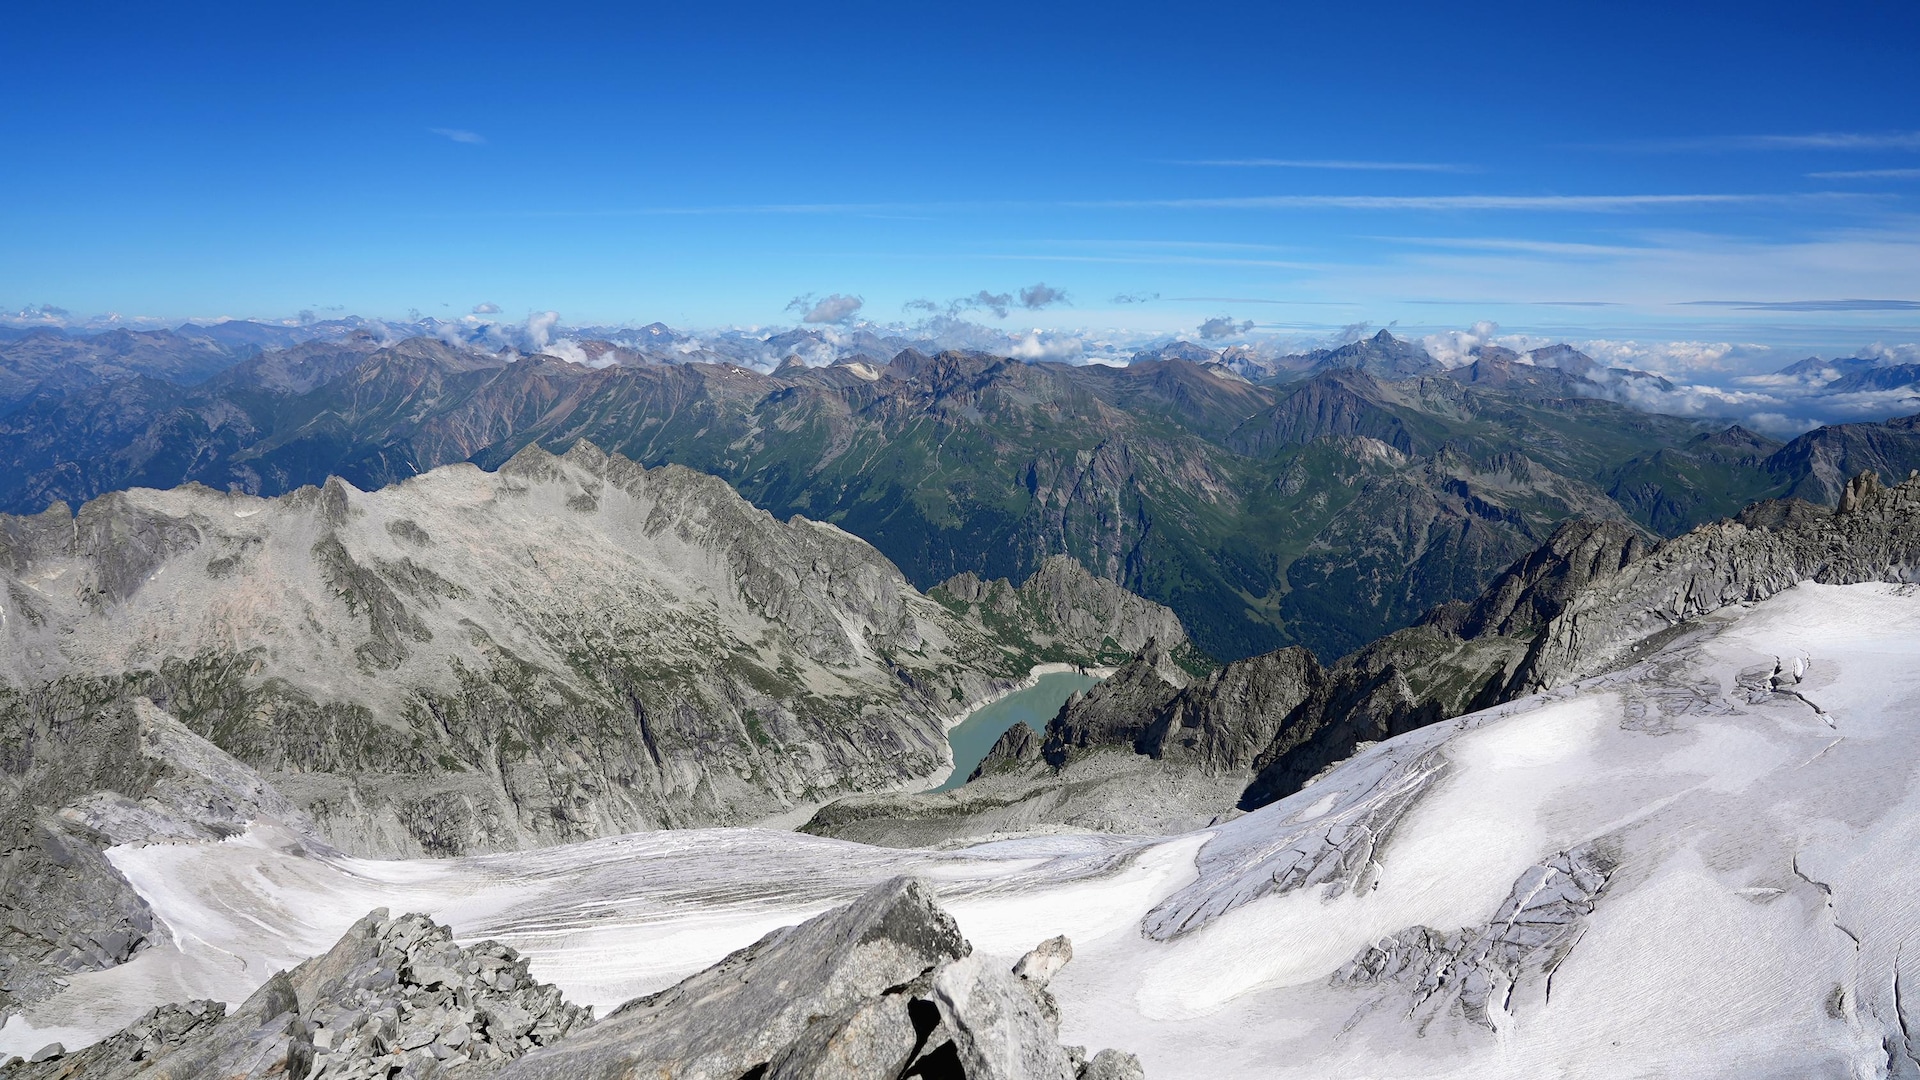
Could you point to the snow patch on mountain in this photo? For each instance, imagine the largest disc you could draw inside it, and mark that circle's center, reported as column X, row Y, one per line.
column 1698, row 865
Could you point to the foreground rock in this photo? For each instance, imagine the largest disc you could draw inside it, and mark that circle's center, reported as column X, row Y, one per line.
column 883, row 987
column 395, row 997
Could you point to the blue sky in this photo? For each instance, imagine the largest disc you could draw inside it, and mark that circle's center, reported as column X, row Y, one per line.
column 1589, row 171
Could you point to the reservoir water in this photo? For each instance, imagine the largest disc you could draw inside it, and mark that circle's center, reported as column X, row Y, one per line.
column 1034, row 706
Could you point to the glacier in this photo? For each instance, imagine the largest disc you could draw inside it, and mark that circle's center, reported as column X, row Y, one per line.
column 1701, row 864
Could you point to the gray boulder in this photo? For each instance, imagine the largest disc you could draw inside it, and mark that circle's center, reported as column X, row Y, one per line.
column 749, row 1009
column 394, row 997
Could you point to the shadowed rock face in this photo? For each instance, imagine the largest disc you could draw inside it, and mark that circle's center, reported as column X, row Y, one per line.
column 1536, row 588
column 569, row 647
column 1585, row 601
column 884, row 987
column 1588, row 600
column 1873, row 535
column 1218, row 724
column 63, row 907
column 1118, row 711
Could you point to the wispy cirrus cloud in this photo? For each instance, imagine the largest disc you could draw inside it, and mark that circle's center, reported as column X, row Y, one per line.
column 1499, row 243
column 1573, row 203
column 1326, row 163
column 459, row 135
column 1819, row 140
column 1483, row 202
column 1868, row 174
column 1808, row 305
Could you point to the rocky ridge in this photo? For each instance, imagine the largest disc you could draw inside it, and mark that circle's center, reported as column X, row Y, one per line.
column 568, row 647
column 146, row 778
column 1244, row 507
column 882, row 987
column 1873, row 535
column 1595, row 596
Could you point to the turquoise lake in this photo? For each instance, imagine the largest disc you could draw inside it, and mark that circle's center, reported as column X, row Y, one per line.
column 1034, row 706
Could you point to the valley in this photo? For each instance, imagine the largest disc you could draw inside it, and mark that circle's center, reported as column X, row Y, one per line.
column 1322, row 503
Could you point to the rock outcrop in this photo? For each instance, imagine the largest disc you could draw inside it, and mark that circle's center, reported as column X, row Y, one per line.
column 569, row 647
column 1063, row 608
column 1117, row 712
column 1593, row 597
column 394, row 997
column 883, row 987
column 140, row 775
column 67, row 911
column 1218, row 724
column 1873, row 535
column 1482, row 972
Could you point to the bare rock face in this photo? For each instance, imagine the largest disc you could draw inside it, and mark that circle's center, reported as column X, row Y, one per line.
column 1063, row 605
column 567, row 648
column 1017, row 748
column 1481, row 972
column 1537, row 588
column 67, row 910
column 1219, row 724
column 1223, row 723
column 1002, row 1028
column 82, row 775
column 884, row 987
column 394, row 997
column 1874, row 535
column 1119, row 711
column 744, row 1011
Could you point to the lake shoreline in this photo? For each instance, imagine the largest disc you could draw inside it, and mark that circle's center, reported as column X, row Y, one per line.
column 998, row 690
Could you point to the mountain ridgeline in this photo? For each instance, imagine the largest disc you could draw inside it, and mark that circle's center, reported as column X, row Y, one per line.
column 564, row 648
column 1322, row 501
column 1596, row 597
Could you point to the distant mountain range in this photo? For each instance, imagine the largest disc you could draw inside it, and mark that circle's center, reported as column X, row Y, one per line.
column 1321, row 500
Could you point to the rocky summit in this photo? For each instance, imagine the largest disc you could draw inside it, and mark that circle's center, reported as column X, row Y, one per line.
column 568, row 647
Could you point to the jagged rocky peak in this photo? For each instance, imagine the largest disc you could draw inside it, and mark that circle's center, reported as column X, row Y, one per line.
column 1536, row 588
column 394, row 997
column 572, row 646
column 884, row 986
column 1219, row 723
column 1873, row 535
column 1119, row 710
column 1223, row 723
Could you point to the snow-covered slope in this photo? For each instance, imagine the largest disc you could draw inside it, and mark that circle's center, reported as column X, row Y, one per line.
column 1702, row 865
